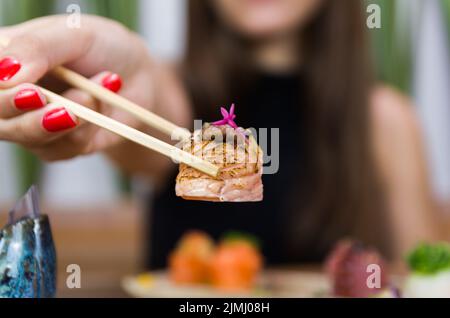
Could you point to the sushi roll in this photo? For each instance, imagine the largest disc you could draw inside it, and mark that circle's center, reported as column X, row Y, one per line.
column 235, row 151
column 236, row 264
column 188, row 263
column 347, row 266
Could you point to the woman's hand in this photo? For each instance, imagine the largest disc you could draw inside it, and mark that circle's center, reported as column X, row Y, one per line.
column 100, row 49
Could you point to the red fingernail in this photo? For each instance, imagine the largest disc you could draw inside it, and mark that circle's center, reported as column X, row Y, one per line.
column 58, row 119
column 8, row 68
column 113, row 82
column 28, row 99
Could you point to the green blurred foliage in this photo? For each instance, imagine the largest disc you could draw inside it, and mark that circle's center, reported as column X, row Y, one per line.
column 29, row 169
column 391, row 49
column 17, row 11
column 429, row 259
column 123, row 11
column 446, row 9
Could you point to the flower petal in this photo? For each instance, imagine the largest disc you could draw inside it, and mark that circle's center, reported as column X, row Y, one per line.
column 224, row 112
column 232, row 124
column 232, row 110
column 220, row 122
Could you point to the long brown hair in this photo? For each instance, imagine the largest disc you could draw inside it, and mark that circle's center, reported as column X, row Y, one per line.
column 339, row 196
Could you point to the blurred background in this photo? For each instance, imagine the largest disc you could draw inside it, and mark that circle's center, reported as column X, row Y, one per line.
column 411, row 52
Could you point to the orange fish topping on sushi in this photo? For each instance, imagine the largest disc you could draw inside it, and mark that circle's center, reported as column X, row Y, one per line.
column 235, row 265
column 188, row 263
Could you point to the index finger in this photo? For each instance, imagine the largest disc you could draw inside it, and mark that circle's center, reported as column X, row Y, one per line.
column 31, row 54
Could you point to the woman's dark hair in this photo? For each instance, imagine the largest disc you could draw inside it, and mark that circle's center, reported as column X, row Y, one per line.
column 339, row 194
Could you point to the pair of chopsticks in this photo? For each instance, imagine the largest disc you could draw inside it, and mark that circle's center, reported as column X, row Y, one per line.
column 132, row 134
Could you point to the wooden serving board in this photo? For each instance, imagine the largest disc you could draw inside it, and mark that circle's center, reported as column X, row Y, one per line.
column 273, row 283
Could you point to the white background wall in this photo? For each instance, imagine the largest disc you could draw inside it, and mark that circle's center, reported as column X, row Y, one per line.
column 432, row 91
column 163, row 23
column 8, row 181
column 92, row 180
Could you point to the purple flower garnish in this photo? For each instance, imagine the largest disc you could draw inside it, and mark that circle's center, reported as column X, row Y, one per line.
column 228, row 118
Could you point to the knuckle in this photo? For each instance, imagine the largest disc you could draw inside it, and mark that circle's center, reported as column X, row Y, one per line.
column 88, row 149
column 21, row 131
column 33, row 42
column 73, row 144
column 113, row 25
column 4, row 133
column 35, row 49
column 79, row 143
column 51, row 153
column 51, row 157
column 76, row 138
column 24, row 134
column 45, row 155
column 61, row 155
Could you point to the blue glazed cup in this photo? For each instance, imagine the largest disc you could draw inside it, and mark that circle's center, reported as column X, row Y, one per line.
column 27, row 253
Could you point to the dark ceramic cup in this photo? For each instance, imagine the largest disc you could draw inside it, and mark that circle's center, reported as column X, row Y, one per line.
column 27, row 253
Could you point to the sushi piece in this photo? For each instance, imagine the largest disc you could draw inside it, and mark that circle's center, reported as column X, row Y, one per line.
column 188, row 264
column 347, row 266
column 236, row 264
column 430, row 272
column 239, row 157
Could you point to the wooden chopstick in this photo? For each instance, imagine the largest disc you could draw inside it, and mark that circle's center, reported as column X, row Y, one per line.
column 122, row 103
column 121, row 129
column 133, row 134
column 115, row 100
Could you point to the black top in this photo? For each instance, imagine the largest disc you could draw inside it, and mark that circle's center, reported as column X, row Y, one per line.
column 274, row 102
